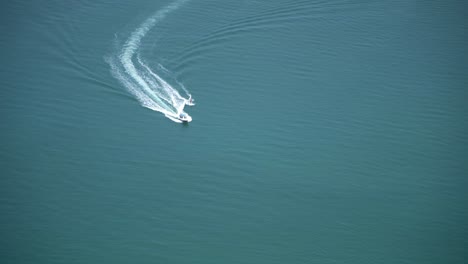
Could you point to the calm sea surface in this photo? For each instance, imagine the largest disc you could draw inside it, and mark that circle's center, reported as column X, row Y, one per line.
column 324, row 132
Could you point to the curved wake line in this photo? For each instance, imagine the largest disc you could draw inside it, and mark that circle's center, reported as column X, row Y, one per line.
column 148, row 87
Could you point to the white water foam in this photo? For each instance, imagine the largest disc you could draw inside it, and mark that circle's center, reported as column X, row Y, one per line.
column 148, row 87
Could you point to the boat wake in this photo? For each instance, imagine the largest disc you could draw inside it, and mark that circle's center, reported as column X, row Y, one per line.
column 151, row 90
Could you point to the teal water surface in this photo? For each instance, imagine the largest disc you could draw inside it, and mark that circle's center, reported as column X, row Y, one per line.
column 324, row 132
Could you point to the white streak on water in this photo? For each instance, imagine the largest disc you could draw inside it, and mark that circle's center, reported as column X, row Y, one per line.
column 148, row 87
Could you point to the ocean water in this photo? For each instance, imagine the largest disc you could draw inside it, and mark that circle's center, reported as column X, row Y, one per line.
column 323, row 131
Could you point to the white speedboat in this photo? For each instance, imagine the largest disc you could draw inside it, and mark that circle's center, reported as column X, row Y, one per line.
column 184, row 117
column 181, row 118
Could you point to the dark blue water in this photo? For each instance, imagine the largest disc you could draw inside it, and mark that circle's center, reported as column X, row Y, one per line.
column 324, row 132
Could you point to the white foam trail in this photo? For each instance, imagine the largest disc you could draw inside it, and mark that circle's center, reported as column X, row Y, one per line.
column 167, row 92
column 187, row 93
column 148, row 87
